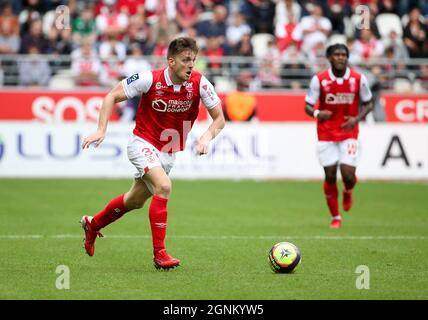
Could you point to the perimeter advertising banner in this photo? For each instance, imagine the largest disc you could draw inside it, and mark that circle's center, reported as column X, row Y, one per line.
column 83, row 106
column 249, row 150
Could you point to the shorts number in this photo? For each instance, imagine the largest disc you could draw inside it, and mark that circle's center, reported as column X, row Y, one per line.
column 352, row 149
column 147, row 152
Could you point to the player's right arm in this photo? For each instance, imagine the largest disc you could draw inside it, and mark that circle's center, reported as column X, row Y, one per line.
column 126, row 89
column 116, row 95
column 311, row 99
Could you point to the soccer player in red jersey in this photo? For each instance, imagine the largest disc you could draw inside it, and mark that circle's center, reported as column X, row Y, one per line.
column 339, row 90
column 168, row 107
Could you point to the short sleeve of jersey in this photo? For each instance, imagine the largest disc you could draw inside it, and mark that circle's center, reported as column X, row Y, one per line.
column 314, row 91
column 137, row 84
column 208, row 95
column 365, row 92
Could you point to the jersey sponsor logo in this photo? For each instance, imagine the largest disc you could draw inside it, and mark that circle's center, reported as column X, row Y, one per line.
column 132, row 78
column 339, row 98
column 179, row 105
column 326, row 84
column 159, row 105
column 159, row 86
column 172, row 105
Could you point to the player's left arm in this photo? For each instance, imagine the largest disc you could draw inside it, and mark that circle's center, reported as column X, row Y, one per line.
column 218, row 123
column 367, row 103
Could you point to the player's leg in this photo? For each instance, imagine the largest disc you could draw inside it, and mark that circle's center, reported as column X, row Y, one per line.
column 115, row 209
column 331, row 194
column 349, row 156
column 158, row 216
column 328, row 153
column 349, row 180
column 137, row 196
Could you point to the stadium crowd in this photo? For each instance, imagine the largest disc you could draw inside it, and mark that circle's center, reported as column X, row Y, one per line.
column 106, row 40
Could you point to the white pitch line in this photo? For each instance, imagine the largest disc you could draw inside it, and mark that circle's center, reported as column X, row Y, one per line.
column 218, row 237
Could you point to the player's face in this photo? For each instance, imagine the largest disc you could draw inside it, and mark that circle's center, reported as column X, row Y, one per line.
column 182, row 65
column 339, row 59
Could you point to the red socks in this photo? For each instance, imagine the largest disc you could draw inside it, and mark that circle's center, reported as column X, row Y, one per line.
column 158, row 218
column 331, row 195
column 113, row 211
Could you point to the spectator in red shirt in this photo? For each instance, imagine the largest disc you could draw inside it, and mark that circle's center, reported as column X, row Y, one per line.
column 214, row 53
column 188, row 13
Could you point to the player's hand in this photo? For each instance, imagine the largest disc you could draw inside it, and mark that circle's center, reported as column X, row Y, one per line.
column 349, row 124
column 96, row 138
column 324, row 115
column 202, row 147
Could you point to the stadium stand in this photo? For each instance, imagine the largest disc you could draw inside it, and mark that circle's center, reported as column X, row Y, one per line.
column 396, row 49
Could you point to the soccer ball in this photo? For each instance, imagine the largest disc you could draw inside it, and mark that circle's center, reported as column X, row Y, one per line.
column 284, row 257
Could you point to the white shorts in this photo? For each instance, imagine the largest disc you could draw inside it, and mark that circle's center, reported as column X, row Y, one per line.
column 144, row 156
column 343, row 152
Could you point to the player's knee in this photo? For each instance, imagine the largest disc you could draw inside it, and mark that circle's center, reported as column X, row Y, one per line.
column 163, row 188
column 330, row 178
column 348, row 177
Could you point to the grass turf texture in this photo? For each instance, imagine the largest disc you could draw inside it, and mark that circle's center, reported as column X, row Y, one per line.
column 222, row 232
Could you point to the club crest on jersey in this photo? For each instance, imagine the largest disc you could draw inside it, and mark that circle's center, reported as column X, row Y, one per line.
column 132, row 78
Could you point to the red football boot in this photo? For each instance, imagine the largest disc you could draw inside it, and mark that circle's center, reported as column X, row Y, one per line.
column 347, row 200
column 162, row 260
column 335, row 223
column 90, row 235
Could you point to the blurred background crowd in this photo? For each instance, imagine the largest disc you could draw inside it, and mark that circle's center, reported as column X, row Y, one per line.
column 253, row 44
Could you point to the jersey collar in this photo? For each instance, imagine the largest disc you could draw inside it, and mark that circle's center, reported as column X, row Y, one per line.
column 345, row 76
column 168, row 79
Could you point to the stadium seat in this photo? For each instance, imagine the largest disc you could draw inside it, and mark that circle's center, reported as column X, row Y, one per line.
column 259, row 42
column 402, row 85
column 63, row 80
column 405, row 20
column 224, row 84
column 336, row 38
column 48, row 22
column 349, row 28
column 387, row 22
column 417, row 86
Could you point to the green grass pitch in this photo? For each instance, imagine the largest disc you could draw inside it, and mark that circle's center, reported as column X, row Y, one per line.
column 221, row 231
